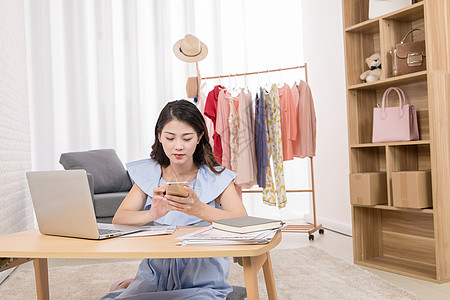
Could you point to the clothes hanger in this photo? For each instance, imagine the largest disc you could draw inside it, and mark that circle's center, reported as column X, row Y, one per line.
column 232, row 88
column 268, row 85
column 258, row 87
column 238, row 88
column 245, row 83
column 299, row 75
column 281, row 84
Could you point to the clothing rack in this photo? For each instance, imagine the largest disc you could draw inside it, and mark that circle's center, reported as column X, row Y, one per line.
column 307, row 228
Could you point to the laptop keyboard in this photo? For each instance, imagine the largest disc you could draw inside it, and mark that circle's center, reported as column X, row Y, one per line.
column 102, row 231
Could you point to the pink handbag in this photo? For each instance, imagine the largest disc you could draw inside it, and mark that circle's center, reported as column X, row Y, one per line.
column 395, row 124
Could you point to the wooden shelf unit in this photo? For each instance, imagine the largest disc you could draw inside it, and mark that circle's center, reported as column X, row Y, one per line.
column 412, row 242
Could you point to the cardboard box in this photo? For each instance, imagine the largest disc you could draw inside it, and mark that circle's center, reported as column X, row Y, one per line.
column 368, row 188
column 412, row 189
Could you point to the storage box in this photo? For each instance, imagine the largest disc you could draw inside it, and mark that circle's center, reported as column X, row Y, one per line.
column 368, row 188
column 381, row 7
column 412, row 189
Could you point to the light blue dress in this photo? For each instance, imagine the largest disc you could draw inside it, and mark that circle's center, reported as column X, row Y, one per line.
column 179, row 278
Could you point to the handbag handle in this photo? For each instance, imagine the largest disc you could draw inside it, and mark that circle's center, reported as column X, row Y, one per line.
column 385, row 101
column 409, row 32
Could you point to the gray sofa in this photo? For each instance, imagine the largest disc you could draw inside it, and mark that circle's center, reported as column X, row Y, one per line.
column 108, row 179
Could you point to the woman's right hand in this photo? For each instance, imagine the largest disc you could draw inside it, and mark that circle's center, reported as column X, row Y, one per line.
column 158, row 207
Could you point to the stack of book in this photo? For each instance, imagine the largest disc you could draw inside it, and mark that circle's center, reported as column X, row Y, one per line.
column 234, row 231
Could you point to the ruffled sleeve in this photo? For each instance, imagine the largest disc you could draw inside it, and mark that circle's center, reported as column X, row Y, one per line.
column 210, row 185
column 145, row 173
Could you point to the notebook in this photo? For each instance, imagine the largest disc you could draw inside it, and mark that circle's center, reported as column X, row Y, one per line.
column 246, row 224
column 63, row 205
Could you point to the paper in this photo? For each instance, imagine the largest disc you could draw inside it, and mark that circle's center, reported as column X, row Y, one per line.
column 153, row 230
column 221, row 242
column 213, row 236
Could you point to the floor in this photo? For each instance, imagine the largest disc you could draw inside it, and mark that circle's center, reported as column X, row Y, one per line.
column 335, row 244
column 340, row 246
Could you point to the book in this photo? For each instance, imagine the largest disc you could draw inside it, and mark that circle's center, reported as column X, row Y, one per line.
column 247, row 224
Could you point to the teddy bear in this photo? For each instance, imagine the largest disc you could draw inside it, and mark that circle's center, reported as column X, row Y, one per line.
column 374, row 63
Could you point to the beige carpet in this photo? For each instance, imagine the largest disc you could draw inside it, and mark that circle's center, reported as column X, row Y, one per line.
column 305, row 273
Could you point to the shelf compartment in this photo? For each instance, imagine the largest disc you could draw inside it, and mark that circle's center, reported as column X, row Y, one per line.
column 365, row 160
column 359, row 46
column 362, row 102
column 357, row 13
column 395, row 240
column 395, row 27
column 360, row 115
column 409, row 158
column 416, row 94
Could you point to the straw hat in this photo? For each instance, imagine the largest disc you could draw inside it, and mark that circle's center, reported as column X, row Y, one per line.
column 190, row 49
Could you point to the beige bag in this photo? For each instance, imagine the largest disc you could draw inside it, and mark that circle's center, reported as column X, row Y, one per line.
column 408, row 57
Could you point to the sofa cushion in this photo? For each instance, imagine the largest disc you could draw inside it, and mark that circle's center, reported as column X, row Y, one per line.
column 108, row 171
column 238, row 293
column 105, row 205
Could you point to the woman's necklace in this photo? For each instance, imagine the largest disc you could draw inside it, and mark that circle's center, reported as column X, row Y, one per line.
column 187, row 180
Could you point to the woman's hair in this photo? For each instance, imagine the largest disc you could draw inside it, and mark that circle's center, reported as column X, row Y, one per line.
column 187, row 112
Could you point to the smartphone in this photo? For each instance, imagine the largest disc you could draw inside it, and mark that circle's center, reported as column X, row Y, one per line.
column 176, row 189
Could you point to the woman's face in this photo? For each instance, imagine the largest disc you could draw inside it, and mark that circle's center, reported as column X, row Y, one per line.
column 179, row 141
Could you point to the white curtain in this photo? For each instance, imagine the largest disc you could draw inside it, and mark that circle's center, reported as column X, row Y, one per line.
column 100, row 71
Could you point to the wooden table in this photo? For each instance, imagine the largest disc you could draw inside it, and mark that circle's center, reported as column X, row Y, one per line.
column 32, row 244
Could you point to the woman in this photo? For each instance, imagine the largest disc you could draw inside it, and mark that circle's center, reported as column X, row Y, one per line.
column 181, row 152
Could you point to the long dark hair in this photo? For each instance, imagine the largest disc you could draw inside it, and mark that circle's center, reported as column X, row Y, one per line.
column 185, row 111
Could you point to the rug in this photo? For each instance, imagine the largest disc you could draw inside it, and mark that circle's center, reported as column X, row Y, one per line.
column 304, row 273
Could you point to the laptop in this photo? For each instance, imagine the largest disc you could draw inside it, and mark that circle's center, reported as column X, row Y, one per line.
column 63, row 205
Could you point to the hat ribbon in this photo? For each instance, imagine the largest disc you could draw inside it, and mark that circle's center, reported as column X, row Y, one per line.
column 191, row 55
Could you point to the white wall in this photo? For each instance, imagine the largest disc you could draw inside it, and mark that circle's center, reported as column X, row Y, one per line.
column 15, row 205
column 15, row 155
column 324, row 53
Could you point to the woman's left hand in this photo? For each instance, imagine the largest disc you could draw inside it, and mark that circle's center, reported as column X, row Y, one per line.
column 190, row 205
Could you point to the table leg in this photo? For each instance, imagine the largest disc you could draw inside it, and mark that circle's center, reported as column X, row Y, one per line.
column 250, row 275
column 251, row 267
column 41, row 275
column 269, row 279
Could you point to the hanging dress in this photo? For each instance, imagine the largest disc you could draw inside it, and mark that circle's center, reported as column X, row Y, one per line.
column 288, row 122
column 178, row 278
column 246, row 158
column 262, row 158
column 275, row 192
column 223, row 127
column 211, row 112
column 305, row 142
column 208, row 121
column 233, row 124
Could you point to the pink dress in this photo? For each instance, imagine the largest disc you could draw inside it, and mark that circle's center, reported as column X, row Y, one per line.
column 223, row 128
column 305, row 141
column 288, row 122
column 246, row 161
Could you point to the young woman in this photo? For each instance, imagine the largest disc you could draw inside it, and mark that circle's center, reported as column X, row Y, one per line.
column 181, row 152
